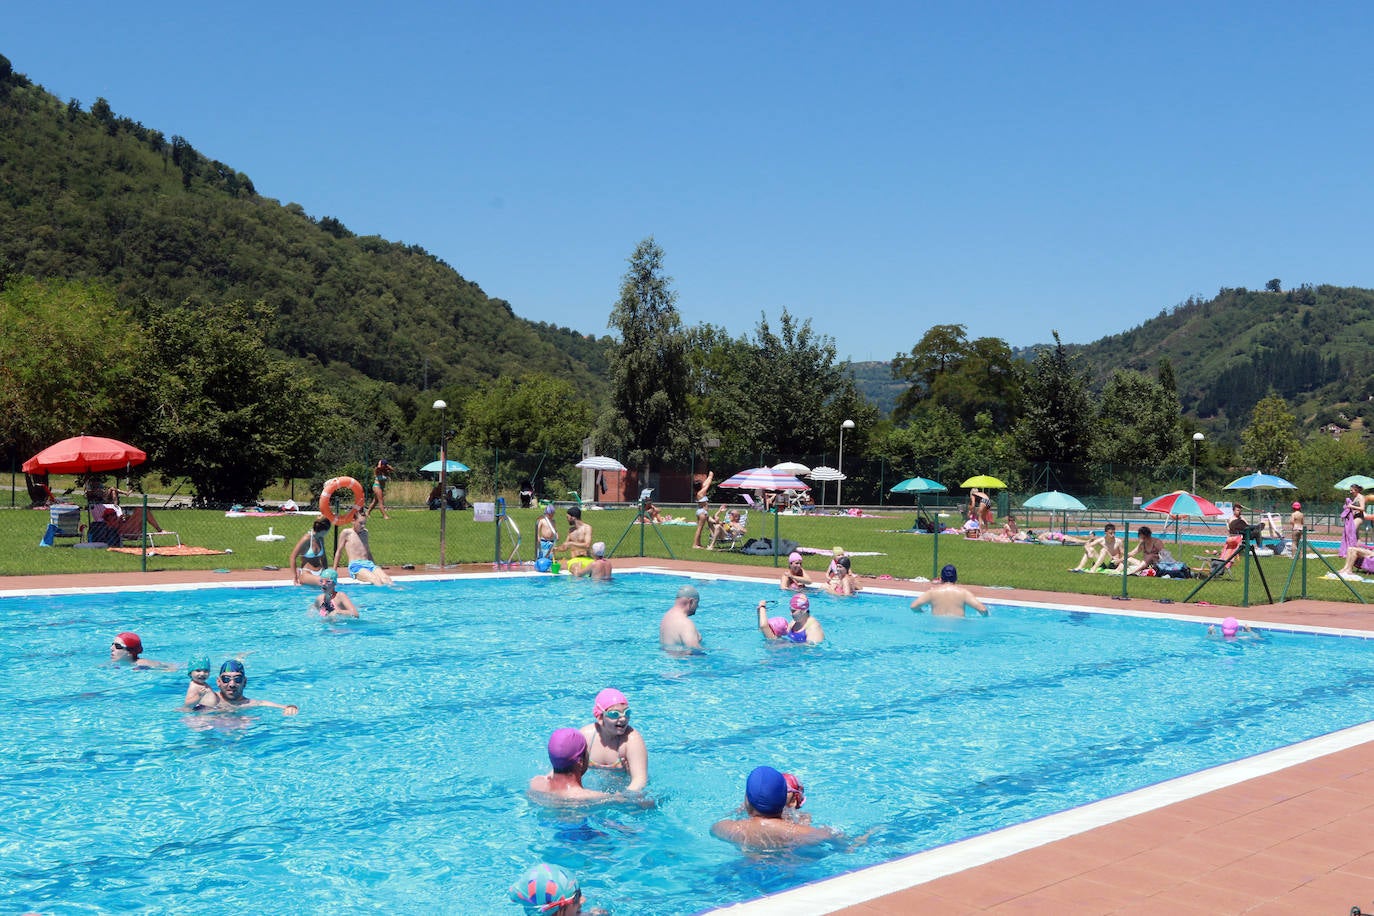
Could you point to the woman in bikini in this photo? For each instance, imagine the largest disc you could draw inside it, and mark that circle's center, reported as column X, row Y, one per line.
column 612, row 743
column 310, row 551
column 380, row 475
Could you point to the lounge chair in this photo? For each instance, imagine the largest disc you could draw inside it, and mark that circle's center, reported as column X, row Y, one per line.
column 130, row 529
column 64, row 521
column 732, row 536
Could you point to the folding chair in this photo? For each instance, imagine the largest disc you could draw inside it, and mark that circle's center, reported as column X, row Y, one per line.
column 732, row 536
column 64, row 521
column 130, row 529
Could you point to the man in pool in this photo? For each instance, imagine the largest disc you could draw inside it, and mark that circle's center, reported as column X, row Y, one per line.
column 568, row 758
column 578, row 543
column 614, row 744
column 764, row 827
column 232, row 680
column 949, row 599
column 600, row 567
column 332, row 604
column 676, row 631
column 353, row 542
column 126, row 649
column 802, row 628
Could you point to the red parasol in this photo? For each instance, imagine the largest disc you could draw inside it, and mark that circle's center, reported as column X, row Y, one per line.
column 84, row 455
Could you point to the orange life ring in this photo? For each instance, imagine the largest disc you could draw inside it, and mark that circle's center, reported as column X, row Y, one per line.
column 332, row 486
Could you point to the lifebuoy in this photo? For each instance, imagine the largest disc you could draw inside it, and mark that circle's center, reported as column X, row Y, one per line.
column 332, row 486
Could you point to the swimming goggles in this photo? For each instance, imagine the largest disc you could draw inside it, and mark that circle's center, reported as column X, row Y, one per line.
column 616, row 715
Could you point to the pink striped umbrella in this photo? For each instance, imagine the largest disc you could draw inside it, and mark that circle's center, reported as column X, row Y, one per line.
column 763, row 479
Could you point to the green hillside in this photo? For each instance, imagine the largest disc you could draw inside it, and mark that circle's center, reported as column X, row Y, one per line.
column 91, row 195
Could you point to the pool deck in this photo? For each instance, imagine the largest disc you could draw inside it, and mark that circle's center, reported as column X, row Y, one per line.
column 1291, row 842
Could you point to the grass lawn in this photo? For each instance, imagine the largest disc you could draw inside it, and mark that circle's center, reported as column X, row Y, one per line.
column 412, row 536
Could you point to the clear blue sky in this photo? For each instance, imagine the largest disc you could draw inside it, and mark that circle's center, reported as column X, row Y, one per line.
column 877, row 167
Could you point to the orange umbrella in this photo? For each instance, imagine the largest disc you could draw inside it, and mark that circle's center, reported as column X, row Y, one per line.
column 85, row 455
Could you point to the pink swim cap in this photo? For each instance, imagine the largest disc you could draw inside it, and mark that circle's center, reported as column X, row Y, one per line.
column 800, row 603
column 1297, row 505
column 608, row 698
column 794, row 557
column 1229, row 626
column 778, row 625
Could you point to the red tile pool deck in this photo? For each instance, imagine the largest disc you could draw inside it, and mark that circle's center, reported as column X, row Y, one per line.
column 1297, row 841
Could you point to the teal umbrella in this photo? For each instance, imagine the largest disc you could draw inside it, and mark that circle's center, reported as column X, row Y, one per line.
column 919, row 485
column 1364, row 482
column 454, row 467
column 1055, row 502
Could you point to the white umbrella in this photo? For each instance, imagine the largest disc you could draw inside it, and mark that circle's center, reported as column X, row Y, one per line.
column 826, row 473
column 598, row 463
column 792, row 467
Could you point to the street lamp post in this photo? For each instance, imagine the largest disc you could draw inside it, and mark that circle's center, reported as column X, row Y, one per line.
column 441, row 406
column 1197, row 437
column 847, row 424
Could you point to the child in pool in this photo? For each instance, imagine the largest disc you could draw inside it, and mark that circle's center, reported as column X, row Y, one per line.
column 199, row 693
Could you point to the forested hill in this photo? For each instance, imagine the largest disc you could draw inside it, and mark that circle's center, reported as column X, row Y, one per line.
column 1314, row 346
column 91, row 195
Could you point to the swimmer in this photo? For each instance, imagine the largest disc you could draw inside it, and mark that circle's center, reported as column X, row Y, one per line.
column 579, row 539
column 232, row 680
column 600, row 567
column 199, row 693
column 568, row 757
column 676, row 631
column 361, row 566
column 127, row 647
column 802, row 628
column 1231, row 630
column 764, row 826
column 614, row 744
column 330, row 603
column 794, row 577
column 547, row 534
column 310, row 551
column 550, row 891
column 948, row 599
column 842, row 582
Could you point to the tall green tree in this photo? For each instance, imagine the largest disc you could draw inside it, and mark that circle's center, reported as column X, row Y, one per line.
column 1057, row 421
column 223, row 410
column 535, row 413
column 1271, row 438
column 967, row 377
column 67, row 362
column 1138, row 422
column 648, row 365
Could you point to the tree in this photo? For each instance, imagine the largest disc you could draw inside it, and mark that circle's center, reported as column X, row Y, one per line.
column 223, row 410
column 969, row 378
column 1056, row 424
column 67, row 362
column 1138, row 422
column 1274, row 286
column 648, row 366
column 1271, row 437
column 515, row 414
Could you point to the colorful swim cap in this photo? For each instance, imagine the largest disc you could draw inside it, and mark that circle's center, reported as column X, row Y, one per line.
column 235, row 666
column 778, row 625
column 330, row 575
column 949, row 574
column 544, row 888
column 838, row 551
column 1229, row 626
column 689, row 591
column 599, row 549
column 548, row 510
column 1297, row 505
column 794, row 557
column 766, row 791
column 800, row 603
column 198, row 663
column 794, row 785
column 566, row 747
column 131, row 642
column 608, row 698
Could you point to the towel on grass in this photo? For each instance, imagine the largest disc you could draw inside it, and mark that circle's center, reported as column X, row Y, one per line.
column 176, row 550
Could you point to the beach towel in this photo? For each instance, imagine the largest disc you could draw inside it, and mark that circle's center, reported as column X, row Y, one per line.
column 175, row 550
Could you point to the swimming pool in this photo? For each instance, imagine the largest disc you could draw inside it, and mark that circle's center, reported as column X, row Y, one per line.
column 401, row 783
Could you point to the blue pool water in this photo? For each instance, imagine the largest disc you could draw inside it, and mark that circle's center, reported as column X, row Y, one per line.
column 400, row 786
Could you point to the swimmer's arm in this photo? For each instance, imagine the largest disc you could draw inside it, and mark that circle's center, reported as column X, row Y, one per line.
column 339, row 551
column 637, row 762
column 764, row 628
column 156, row 666
column 287, row 710
column 296, row 555
column 977, row 605
column 344, row 606
column 921, row 604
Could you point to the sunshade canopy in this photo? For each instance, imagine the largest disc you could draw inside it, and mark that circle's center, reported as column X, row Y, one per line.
column 1181, row 502
column 826, row 473
column 983, row 480
column 85, row 455
column 1055, row 501
column 919, row 485
column 453, row 467
column 598, row 463
column 1260, row 481
column 1364, row 482
column 763, row 479
column 792, row 467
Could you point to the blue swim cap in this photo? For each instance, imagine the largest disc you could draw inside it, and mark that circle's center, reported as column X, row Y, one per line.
column 331, row 575
column 766, row 791
column 949, row 574
column 544, row 888
column 198, row 663
column 235, row 666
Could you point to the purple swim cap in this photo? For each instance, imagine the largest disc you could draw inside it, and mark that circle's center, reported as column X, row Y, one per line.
column 1229, row 626
column 566, row 747
column 778, row 625
column 800, row 603
column 608, row 698
column 766, row 790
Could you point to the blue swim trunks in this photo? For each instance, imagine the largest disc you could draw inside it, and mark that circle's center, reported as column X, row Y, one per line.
column 355, row 565
column 545, row 549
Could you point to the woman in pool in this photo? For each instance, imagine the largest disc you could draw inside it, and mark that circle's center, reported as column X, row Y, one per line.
column 310, row 551
column 803, row 628
column 794, row 577
column 612, row 743
column 332, row 604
